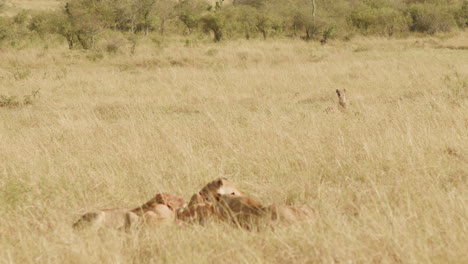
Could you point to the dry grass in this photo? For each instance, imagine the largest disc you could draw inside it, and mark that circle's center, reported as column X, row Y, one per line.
column 388, row 177
column 12, row 7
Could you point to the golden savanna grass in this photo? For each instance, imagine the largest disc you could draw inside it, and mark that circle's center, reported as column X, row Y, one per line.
column 12, row 7
column 388, row 177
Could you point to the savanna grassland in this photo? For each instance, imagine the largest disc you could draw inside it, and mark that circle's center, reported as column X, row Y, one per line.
column 82, row 130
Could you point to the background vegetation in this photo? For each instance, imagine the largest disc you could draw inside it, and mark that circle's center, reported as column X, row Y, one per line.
column 134, row 115
column 83, row 22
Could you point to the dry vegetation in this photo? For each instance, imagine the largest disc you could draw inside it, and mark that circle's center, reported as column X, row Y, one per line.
column 388, row 176
column 12, row 7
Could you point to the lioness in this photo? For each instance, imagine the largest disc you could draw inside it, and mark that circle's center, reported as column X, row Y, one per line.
column 214, row 189
column 239, row 210
column 107, row 217
column 291, row 214
column 162, row 206
column 198, row 213
column 201, row 205
column 172, row 201
column 159, row 210
column 247, row 213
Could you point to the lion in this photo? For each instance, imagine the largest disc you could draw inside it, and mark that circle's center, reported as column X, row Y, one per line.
column 172, row 201
column 198, row 213
column 291, row 214
column 241, row 211
column 157, row 211
column 247, row 213
column 161, row 207
column 156, row 215
column 214, row 189
column 112, row 218
column 201, row 205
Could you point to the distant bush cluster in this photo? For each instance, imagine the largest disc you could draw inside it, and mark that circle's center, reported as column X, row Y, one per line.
column 81, row 22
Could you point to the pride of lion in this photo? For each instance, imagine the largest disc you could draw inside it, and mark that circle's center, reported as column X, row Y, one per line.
column 219, row 200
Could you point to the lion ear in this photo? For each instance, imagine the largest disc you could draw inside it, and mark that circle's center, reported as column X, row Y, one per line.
column 337, row 92
column 219, row 182
column 160, row 198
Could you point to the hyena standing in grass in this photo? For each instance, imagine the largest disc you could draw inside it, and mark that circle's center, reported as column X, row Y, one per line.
column 342, row 98
column 342, row 103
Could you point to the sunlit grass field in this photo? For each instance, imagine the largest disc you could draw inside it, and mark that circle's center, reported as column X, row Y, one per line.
column 81, row 131
column 12, row 7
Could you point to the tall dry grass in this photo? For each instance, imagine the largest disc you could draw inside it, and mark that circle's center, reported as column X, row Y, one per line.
column 388, row 177
column 12, row 7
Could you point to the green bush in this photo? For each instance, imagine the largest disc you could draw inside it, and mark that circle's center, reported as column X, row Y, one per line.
column 44, row 23
column 246, row 19
column 21, row 18
column 461, row 15
column 381, row 21
column 430, row 19
column 253, row 3
column 83, row 23
column 189, row 12
column 5, row 28
column 215, row 23
column 114, row 44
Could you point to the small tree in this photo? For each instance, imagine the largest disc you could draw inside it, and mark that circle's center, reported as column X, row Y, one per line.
column 214, row 22
column 85, row 21
column 247, row 20
column 133, row 16
column 190, row 12
column 165, row 10
column 61, row 24
column 263, row 23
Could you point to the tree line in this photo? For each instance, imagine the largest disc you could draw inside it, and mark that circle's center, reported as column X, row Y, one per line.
column 80, row 22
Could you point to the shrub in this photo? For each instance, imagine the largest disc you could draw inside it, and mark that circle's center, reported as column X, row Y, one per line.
column 9, row 101
column 327, row 34
column 430, row 19
column 14, row 101
column 114, row 44
column 461, row 15
column 5, row 28
column 189, row 12
column 246, row 19
column 40, row 23
column 252, row 3
column 82, row 22
column 264, row 23
column 382, row 21
column 21, row 17
column 214, row 22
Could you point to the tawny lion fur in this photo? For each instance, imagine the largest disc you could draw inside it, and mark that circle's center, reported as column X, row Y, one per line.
column 201, row 205
column 214, row 189
column 219, row 200
column 246, row 212
column 159, row 209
